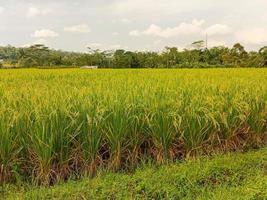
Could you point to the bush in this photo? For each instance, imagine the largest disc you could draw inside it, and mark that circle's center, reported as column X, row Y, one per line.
column 27, row 62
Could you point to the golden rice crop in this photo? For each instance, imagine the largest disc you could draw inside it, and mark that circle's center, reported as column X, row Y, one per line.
column 56, row 124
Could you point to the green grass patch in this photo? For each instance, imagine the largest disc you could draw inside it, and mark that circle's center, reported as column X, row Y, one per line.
column 231, row 176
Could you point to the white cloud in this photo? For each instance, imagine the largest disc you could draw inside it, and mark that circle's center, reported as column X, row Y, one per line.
column 157, row 42
column 1, row 9
column 115, row 33
column 216, row 43
column 114, row 46
column 155, row 7
column 135, row 33
column 218, row 29
column 153, row 20
column 39, row 41
column 94, row 45
column 252, row 36
column 198, row 22
column 182, row 29
column 125, row 20
column 34, row 11
column 104, row 46
column 80, row 28
column 122, row 20
column 44, row 33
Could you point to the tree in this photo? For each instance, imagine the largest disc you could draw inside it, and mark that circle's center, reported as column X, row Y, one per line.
column 213, row 56
column 263, row 54
column 170, row 56
column 194, row 56
column 239, row 55
column 35, row 55
column 27, row 62
column 122, row 59
column 198, row 44
column 254, row 59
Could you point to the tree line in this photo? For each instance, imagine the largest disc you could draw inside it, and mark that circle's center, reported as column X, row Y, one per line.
column 197, row 56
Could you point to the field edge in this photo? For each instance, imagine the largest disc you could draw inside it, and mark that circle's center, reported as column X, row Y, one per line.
column 230, row 176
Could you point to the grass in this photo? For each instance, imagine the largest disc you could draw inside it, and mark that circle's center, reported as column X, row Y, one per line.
column 231, row 176
column 69, row 123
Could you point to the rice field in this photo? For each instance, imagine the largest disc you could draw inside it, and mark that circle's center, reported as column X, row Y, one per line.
column 69, row 123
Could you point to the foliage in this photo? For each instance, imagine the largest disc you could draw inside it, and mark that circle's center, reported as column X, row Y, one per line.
column 194, row 57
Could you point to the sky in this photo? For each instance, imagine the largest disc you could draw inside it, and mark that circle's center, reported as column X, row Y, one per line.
column 140, row 25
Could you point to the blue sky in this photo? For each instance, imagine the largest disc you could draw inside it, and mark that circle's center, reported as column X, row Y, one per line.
column 132, row 24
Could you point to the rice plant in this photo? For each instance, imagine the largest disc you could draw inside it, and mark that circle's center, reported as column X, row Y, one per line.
column 58, row 124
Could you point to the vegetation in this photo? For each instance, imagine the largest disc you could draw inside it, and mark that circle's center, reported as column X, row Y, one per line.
column 196, row 56
column 57, row 124
column 232, row 176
